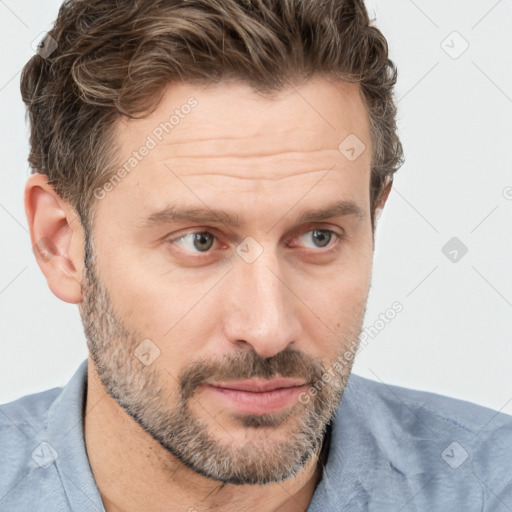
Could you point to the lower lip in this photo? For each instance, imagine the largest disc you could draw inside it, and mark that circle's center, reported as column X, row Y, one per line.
column 250, row 402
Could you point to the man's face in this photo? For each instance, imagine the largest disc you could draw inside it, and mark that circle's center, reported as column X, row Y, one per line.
column 207, row 332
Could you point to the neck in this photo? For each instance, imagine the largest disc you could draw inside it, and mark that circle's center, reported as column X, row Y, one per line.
column 134, row 472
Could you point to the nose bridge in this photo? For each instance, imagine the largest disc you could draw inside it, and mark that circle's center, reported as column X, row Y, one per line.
column 262, row 312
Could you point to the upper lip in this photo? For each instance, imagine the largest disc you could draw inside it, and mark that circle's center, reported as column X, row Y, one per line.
column 258, row 385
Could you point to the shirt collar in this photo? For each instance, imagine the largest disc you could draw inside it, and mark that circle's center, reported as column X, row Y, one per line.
column 66, row 435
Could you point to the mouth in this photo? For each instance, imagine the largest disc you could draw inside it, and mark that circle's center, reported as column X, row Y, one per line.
column 257, row 396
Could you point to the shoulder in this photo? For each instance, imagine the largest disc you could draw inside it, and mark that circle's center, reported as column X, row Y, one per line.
column 42, row 451
column 23, row 427
column 407, row 444
column 24, row 419
column 439, row 412
column 30, row 410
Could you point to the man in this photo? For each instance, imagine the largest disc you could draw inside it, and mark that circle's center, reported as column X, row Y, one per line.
column 219, row 377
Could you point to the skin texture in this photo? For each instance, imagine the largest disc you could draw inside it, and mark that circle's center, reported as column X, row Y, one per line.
column 268, row 161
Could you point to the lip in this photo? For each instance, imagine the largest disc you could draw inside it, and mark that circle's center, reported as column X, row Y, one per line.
column 257, row 396
column 258, row 385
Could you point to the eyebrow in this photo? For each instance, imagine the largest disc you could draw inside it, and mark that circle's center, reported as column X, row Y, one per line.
column 206, row 215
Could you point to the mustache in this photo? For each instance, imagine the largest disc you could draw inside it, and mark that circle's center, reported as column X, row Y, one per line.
column 288, row 363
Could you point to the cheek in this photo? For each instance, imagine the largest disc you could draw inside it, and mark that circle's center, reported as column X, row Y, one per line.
column 339, row 304
column 336, row 302
column 168, row 311
column 347, row 278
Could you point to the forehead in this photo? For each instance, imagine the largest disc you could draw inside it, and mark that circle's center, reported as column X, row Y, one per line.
column 231, row 119
column 208, row 141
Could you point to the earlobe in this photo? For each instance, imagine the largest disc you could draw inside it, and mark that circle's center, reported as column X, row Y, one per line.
column 57, row 238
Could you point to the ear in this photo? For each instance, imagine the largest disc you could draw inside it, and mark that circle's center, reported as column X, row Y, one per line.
column 383, row 197
column 57, row 238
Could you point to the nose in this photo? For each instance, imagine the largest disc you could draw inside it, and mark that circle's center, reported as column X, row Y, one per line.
column 262, row 309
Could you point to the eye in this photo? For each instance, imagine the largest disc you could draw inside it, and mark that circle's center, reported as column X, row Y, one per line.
column 204, row 241
column 198, row 241
column 320, row 237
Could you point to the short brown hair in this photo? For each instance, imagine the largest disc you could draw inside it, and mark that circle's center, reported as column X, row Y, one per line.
column 115, row 57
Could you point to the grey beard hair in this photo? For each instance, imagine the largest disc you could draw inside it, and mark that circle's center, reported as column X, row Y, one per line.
column 139, row 390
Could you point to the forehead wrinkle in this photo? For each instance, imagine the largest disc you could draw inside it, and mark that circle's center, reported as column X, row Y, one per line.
column 267, row 144
column 255, row 178
column 259, row 154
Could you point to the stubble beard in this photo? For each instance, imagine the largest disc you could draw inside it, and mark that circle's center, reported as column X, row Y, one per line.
column 164, row 411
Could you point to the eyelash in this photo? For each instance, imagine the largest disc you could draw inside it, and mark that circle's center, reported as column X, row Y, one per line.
column 338, row 237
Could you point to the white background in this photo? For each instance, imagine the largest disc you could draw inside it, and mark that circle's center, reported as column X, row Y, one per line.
column 455, row 117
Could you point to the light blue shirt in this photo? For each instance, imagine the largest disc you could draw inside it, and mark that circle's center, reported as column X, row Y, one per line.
column 391, row 449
